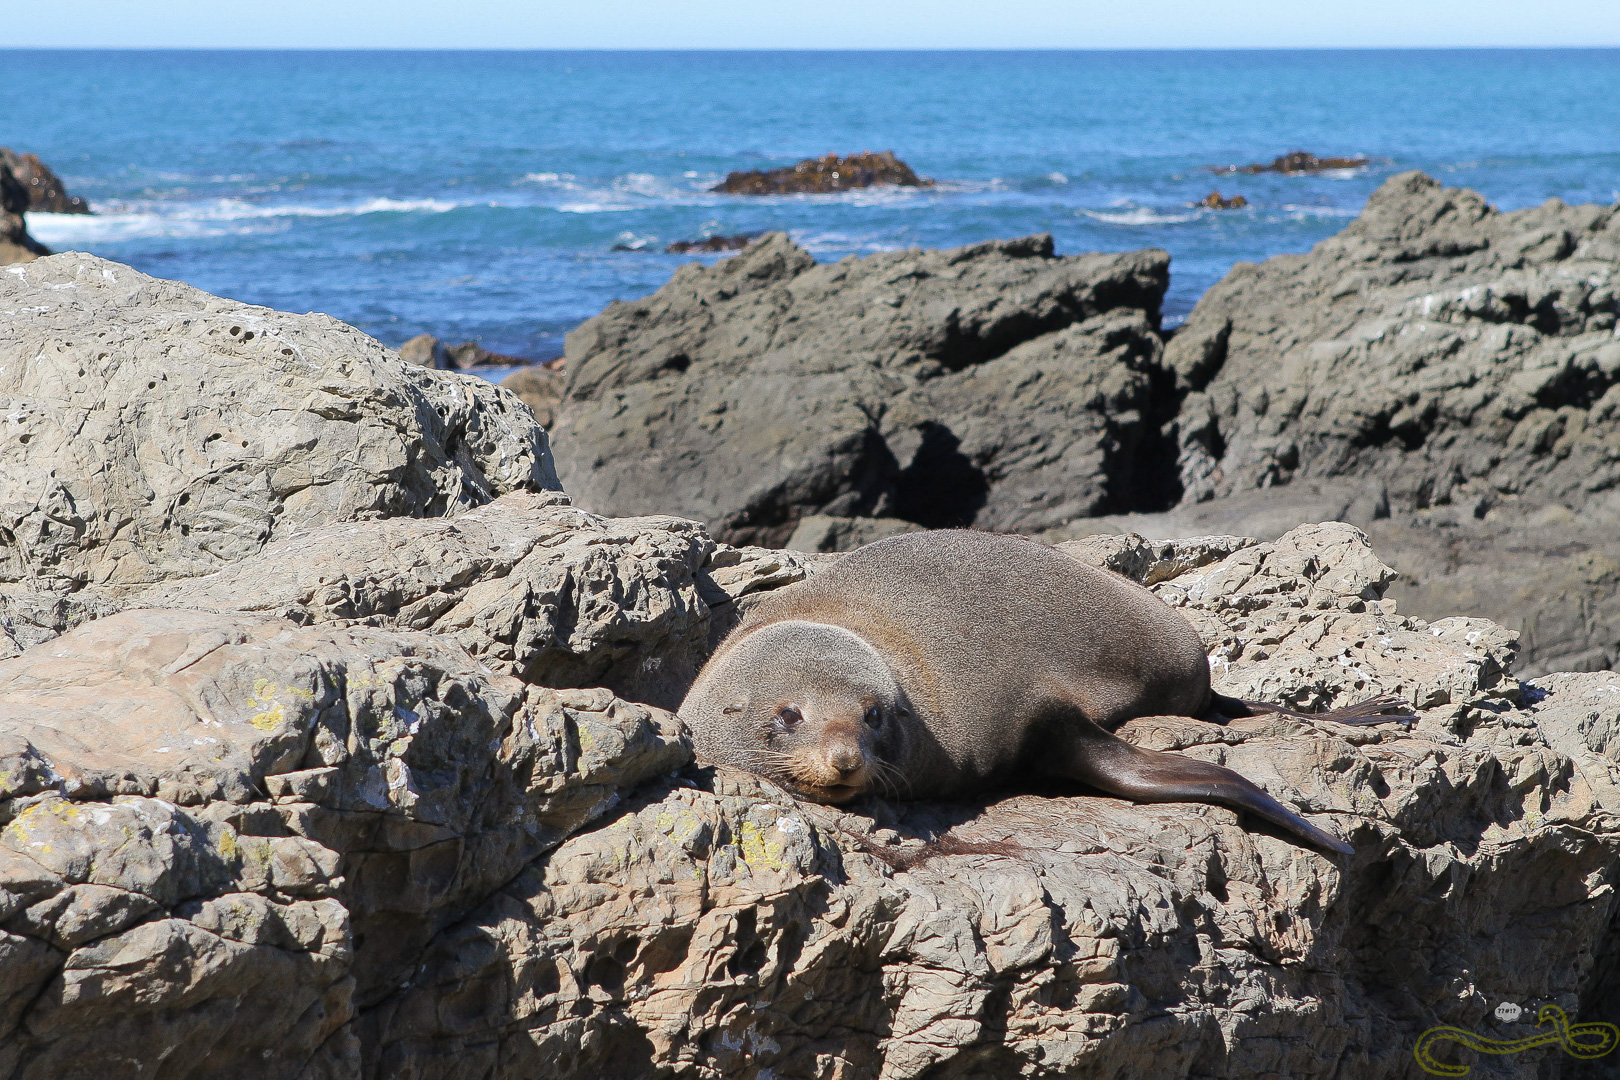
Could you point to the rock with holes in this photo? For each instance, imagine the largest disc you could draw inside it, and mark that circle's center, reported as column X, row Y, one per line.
column 997, row 385
column 150, row 431
column 227, row 839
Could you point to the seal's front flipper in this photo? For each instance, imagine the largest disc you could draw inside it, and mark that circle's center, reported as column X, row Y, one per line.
column 1111, row 764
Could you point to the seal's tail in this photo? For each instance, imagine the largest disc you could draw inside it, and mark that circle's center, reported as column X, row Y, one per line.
column 1374, row 710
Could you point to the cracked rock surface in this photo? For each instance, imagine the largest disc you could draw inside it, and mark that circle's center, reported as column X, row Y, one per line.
column 713, row 926
column 150, row 431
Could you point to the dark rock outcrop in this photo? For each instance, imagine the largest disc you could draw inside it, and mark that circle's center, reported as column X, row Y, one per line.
column 995, row 385
column 46, row 193
column 1445, row 376
column 16, row 246
column 1214, row 201
column 735, row 242
column 1296, row 161
column 823, row 175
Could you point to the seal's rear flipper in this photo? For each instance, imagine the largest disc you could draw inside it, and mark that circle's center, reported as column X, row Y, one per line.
column 1374, row 710
column 1111, row 764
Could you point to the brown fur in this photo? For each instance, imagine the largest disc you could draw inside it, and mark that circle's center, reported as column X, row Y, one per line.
column 940, row 664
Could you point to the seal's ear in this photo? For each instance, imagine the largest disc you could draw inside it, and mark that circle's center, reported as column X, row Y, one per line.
column 735, row 707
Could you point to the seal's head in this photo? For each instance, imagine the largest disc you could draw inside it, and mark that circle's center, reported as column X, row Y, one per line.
column 814, row 707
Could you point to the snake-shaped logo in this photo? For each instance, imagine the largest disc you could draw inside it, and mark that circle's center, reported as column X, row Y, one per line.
column 1578, row 1040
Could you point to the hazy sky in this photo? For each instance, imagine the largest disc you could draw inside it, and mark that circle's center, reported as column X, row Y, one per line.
column 811, row 24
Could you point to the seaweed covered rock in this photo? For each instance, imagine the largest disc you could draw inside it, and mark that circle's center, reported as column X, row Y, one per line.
column 996, row 385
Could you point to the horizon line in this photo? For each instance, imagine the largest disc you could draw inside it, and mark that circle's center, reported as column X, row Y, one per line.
column 1608, row 47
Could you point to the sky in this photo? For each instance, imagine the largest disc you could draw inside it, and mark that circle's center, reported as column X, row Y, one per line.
column 810, row 24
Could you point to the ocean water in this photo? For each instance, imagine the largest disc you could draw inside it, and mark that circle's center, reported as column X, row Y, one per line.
column 479, row 195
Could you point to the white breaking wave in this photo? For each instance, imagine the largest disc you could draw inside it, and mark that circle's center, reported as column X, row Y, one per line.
column 216, row 217
column 1139, row 215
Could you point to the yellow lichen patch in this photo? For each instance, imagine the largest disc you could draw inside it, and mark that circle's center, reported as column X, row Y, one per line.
column 269, row 719
column 269, row 713
column 228, row 846
column 758, row 850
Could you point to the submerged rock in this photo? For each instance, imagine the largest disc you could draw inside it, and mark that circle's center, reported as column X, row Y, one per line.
column 1214, row 201
column 995, row 385
column 824, row 175
column 1296, row 161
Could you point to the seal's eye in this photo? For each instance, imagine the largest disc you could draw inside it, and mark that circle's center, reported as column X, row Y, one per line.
column 789, row 715
column 874, row 716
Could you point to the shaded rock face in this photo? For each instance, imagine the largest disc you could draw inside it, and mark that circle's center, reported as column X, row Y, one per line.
column 46, row 192
column 1443, row 375
column 153, row 431
column 994, row 385
column 824, row 175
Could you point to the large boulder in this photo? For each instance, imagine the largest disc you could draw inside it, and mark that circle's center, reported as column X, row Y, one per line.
column 1454, row 353
column 153, row 431
column 1442, row 375
column 228, row 839
column 995, row 385
column 241, row 846
column 716, row 927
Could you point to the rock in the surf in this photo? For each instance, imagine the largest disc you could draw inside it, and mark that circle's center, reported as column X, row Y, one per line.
column 1296, row 161
column 16, row 246
column 46, row 192
column 824, row 175
column 734, row 242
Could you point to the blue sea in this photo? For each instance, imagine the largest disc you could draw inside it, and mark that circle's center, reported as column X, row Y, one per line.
column 480, row 195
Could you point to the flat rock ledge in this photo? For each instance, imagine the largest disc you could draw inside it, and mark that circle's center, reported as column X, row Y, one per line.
column 310, row 840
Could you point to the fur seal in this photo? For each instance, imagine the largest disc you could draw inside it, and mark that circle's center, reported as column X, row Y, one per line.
column 940, row 664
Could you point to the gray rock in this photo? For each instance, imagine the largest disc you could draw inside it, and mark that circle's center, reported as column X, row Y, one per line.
column 227, row 839
column 1453, row 353
column 153, row 431
column 994, row 385
column 726, row 929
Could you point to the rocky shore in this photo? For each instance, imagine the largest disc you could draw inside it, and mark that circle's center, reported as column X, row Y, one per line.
column 335, row 737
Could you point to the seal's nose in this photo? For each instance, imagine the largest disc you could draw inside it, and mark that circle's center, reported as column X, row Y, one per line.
column 846, row 758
